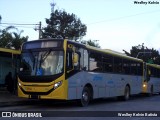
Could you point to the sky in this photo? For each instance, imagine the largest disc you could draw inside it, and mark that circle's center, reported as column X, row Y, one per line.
column 116, row 24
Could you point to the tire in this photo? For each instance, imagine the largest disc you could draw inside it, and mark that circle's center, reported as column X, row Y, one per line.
column 86, row 97
column 151, row 92
column 126, row 93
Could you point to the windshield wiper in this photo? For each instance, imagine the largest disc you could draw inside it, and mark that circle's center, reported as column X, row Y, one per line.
column 43, row 57
column 46, row 54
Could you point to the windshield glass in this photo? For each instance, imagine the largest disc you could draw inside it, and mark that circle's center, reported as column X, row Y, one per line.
column 36, row 63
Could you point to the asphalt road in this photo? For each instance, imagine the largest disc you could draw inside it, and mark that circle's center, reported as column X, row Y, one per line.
column 137, row 108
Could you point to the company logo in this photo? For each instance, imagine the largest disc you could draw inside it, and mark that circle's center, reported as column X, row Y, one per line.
column 6, row 114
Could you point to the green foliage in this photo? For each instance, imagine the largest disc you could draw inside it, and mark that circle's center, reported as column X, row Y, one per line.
column 64, row 25
column 17, row 40
column 144, row 53
column 11, row 39
column 91, row 43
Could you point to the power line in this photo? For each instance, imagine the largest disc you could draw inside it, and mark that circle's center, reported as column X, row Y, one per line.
column 24, row 26
column 123, row 17
column 17, row 24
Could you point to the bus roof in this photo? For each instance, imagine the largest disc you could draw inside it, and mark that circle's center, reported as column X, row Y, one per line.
column 108, row 51
column 153, row 65
column 5, row 50
column 111, row 52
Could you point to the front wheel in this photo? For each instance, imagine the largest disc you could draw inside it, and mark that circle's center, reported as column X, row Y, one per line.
column 86, row 97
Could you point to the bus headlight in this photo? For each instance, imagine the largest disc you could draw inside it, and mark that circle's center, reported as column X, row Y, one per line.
column 56, row 85
column 19, row 84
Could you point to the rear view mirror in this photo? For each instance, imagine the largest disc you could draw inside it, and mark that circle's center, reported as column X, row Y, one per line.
column 75, row 58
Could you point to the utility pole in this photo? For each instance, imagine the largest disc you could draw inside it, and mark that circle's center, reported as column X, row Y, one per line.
column 39, row 29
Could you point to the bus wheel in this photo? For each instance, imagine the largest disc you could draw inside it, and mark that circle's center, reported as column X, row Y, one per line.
column 151, row 91
column 86, row 96
column 126, row 93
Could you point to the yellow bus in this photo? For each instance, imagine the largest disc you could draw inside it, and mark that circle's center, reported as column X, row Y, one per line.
column 66, row 70
column 151, row 83
column 9, row 62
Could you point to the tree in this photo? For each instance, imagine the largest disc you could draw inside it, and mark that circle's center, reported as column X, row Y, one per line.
column 64, row 25
column 5, row 37
column 17, row 40
column 11, row 39
column 146, row 54
column 91, row 43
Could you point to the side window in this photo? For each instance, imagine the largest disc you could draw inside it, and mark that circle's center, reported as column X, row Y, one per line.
column 126, row 66
column 107, row 63
column 139, row 68
column 95, row 62
column 133, row 68
column 118, row 65
column 136, row 68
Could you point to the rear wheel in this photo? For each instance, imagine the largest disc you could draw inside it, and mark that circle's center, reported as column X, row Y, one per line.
column 86, row 97
column 151, row 91
column 126, row 93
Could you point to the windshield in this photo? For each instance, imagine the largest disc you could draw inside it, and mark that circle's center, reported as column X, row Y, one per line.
column 38, row 63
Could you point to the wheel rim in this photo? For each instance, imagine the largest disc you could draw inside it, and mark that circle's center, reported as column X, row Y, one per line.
column 127, row 93
column 85, row 97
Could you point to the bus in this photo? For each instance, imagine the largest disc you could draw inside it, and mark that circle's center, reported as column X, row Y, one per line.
column 151, row 83
column 66, row 70
column 9, row 62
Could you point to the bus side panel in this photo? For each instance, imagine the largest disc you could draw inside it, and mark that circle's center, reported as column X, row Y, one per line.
column 155, row 82
column 78, row 81
column 136, row 82
column 103, row 84
column 99, row 84
column 156, row 85
column 76, row 84
column 116, row 85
